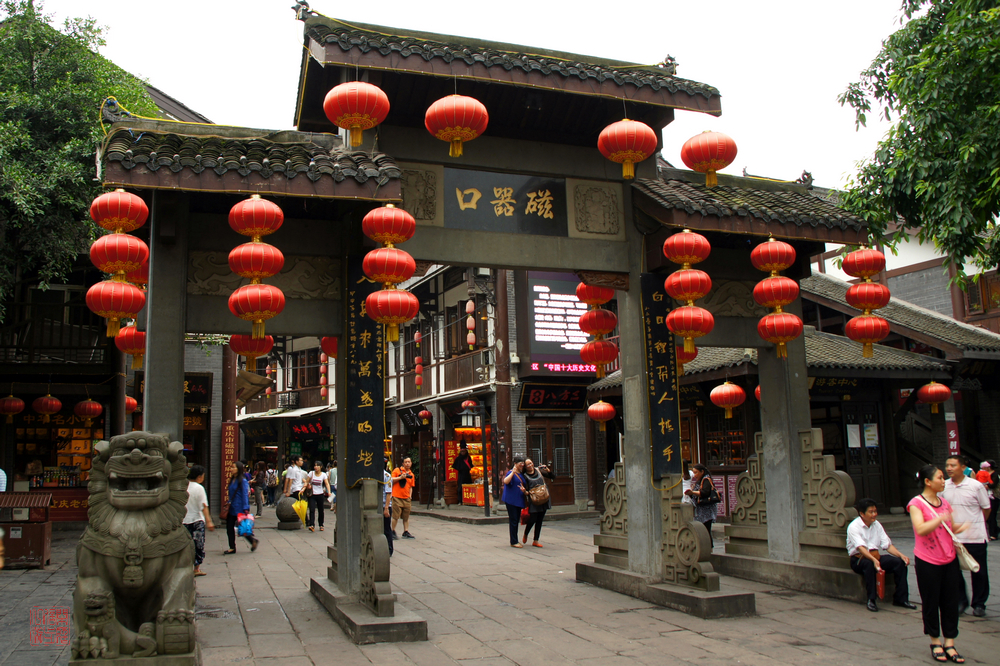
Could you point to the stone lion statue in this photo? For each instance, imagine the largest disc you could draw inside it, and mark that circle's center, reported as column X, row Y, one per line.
column 135, row 586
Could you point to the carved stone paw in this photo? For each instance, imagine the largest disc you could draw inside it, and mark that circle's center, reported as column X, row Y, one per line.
column 145, row 642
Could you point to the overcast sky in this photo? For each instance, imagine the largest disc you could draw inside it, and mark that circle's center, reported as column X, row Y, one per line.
column 778, row 64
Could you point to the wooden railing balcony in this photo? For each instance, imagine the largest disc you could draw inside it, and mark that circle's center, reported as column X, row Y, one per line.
column 293, row 399
column 36, row 336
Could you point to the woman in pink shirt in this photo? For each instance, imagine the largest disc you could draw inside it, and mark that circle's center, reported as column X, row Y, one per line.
column 938, row 574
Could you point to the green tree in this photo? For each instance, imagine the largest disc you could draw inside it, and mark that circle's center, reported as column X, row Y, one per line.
column 52, row 84
column 937, row 171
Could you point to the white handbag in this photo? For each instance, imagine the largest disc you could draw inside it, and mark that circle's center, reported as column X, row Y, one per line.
column 966, row 561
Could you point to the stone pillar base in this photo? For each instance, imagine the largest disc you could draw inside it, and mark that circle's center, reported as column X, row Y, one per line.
column 723, row 603
column 361, row 624
column 188, row 659
column 826, row 581
column 287, row 518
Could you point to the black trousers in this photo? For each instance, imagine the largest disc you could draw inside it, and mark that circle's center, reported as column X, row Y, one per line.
column 231, row 530
column 535, row 520
column 980, row 579
column 891, row 565
column 991, row 524
column 939, row 586
column 316, row 503
column 708, row 526
column 387, row 528
column 514, row 517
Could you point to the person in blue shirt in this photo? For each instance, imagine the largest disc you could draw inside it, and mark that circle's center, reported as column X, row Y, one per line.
column 513, row 497
column 239, row 502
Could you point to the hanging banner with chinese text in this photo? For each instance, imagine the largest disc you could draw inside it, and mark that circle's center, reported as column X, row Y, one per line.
column 661, row 369
column 363, row 394
column 230, row 446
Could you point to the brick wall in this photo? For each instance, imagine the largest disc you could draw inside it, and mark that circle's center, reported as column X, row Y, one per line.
column 580, row 471
column 927, row 288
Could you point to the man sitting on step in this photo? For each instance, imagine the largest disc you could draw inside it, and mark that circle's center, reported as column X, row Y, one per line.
column 865, row 539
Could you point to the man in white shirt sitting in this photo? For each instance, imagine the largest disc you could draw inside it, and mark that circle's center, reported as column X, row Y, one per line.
column 865, row 539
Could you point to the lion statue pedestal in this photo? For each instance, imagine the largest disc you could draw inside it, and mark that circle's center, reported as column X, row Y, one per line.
column 134, row 598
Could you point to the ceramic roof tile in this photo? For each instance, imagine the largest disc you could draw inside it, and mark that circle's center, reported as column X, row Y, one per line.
column 910, row 316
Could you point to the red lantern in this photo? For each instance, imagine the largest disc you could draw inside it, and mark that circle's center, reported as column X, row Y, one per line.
column 728, row 396
column 355, row 107
column 601, row 412
column 868, row 296
column 257, row 303
column 323, row 359
column 466, row 404
column 773, row 256
column 119, row 254
column 252, row 348
column 627, row 142
column 456, row 118
column 599, row 353
column 687, row 248
column 46, row 406
column 756, row 392
column 425, row 416
column 418, row 381
column 10, row 406
column 119, row 211
column 470, row 307
column 593, row 295
column 131, row 404
column 329, row 345
column 388, row 265
column 867, row 329
column 780, row 328
column 140, row 276
column 935, row 394
column 688, row 285
column 392, row 307
column 388, row 225
column 598, row 322
column 323, row 392
column 690, row 322
column 130, row 340
column 864, row 263
column 256, row 217
column 775, row 292
column 707, row 153
column 684, row 357
column 416, row 339
column 115, row 301
column 256, row 260
column 88, row 410
column 322, row 380
column 470, row 337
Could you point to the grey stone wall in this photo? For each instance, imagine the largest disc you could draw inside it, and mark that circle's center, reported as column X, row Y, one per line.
column 580, row 471
column 209, row 359
column 927, row 288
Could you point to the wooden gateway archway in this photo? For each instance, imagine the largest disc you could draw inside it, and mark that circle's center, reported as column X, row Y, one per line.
column 546, row 112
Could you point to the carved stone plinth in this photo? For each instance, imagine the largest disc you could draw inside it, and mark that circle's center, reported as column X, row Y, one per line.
column 134, row 596
column 686, row 543
column 287, row 518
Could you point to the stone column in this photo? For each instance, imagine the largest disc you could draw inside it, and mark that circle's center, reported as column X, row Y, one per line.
column 784, row 412
column 163, row 396
column 645, row 529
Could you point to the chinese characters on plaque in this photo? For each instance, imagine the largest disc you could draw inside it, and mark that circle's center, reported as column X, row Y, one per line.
column 661, row 367
column 230, row 447
column 552, row 397
column 486, row 201
column 364, row 394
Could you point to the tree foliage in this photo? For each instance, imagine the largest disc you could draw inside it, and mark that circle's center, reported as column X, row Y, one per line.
column 52, row 84
column 937, row 171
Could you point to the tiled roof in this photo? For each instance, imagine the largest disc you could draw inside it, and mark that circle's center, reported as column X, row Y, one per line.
column 909, row 316
column 823, row 350
column 768, row 201
column 261, row 154
column 325, row 30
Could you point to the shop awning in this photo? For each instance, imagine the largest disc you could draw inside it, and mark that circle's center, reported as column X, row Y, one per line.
column 29, row 500
column 286, row 413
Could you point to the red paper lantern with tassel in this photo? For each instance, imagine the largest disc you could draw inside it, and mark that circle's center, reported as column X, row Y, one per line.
column 627, row 142
column 388, row 265
column 140, row 276
column 598, row 322
column 115, row 301
column 388, row 225
column 119, row 211
column 356, row 106
column 707, row 153
column 11, row 406
column 687, row 248
column 868, row 330
column 776, row 291
column 256, row 217
column 593, row 296
column 866, row 296
column 935, row 394
column 684, row 357
column 392, row 307
column 456, row 118
column 599, row 353
column 130, row 340
column 601, row 412
column 256, row 260
column 425, row 416
column 779, row 328
column 257, row 303
column 690, row 322
column 729, row 396
column 756, row 392
column 131, row 404
column 252, row 348
column 329, row 346
column 46, row 406
column 88, row 410
column 119, row 254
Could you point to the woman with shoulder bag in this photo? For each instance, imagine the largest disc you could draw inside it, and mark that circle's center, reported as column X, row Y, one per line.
column 317, row 487
column 514, row 498
column 239, row 502
column 705, row 498
column 537, row 494
column 936, row 564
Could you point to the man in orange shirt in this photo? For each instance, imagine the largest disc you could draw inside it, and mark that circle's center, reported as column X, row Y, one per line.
column 402, row 490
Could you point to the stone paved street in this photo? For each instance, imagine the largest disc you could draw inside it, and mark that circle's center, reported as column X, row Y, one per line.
column 487, row 602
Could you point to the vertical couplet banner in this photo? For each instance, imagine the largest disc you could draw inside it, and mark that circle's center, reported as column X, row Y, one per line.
column 661, row 370
column 365, row 382
column 230, row 444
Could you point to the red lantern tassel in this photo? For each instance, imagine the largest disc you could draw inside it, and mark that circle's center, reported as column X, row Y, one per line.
column 114, row 325
column 602, row 426
column 934, row 408
column 867, row 351
column 456, row 148
column 257, row 331
column 628, row 170
column 711, row 180
column 689, row 345
column 729, row 412
column 356, row 136
column 782, row 350
column 392, row 333
column 600, row 375
column 45, row 418
column 252, row 363
column 137, row 361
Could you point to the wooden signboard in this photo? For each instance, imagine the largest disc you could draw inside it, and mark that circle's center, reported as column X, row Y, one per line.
column 661, row 389
column 230, row 446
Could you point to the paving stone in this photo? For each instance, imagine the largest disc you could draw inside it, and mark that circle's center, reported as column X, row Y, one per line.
column 275, row 645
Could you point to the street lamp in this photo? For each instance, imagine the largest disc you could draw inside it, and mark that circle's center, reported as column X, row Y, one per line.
column 471, row 424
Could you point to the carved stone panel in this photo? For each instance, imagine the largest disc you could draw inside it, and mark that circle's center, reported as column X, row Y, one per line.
column 732, row 298
column 615, row 518
column 376, row 590
column 421, row 185
column 685, row 544
column 595, row 209
column 828, row 494
column 302, row 277
column 751, row 493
